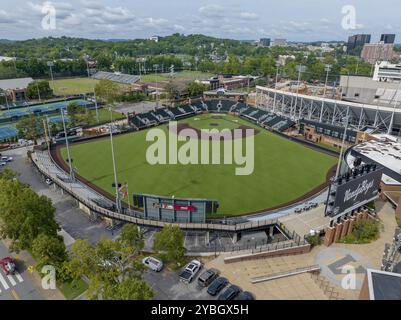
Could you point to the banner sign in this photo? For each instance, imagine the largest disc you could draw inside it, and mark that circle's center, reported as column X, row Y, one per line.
column 173, row 207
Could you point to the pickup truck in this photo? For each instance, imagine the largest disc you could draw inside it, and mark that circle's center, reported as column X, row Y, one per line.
column 190, row 271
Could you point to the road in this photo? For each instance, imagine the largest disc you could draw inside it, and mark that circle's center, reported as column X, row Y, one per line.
column 19, row 286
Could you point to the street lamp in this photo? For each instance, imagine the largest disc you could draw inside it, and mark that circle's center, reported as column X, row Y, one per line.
column 300, row 68
column 275, row 86
column 327, row 68
column 156, row 66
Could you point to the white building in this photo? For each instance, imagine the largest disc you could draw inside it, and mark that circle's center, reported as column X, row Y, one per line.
column 154, row 38
column 387, row 72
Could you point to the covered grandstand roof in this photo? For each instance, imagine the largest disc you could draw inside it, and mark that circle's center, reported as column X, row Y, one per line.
column 18, row 83
column 116, row 77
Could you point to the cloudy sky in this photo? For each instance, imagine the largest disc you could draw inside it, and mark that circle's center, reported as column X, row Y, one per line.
column 295, row 20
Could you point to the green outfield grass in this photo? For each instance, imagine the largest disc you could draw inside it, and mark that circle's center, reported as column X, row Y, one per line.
column 283, row 170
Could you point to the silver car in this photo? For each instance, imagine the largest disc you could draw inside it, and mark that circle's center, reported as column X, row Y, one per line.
column 153, row 263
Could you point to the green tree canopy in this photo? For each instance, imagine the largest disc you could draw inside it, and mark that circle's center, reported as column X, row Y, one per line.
column 169, row 242
column 114, row 268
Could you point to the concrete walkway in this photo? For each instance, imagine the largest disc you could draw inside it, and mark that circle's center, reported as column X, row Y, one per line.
column 305, row 286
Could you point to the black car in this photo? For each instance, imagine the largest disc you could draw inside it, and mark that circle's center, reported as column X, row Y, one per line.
column 245, row 295
column 230, row 293
column 208, row 277
column 217, row 285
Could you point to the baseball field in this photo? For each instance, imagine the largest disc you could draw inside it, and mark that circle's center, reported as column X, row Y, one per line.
column 283, row 170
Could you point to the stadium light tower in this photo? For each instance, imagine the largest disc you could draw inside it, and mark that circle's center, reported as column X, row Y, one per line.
column 327, row 68
column 72, row 175
column 345, row 121
column 390, row 127
column 275, row 86
column 300, row 68
column 50, row 64
column 118, row 201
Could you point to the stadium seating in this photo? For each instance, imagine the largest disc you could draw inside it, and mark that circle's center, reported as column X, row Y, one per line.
column 212, row 105
column 116, row 77
column 226, row 105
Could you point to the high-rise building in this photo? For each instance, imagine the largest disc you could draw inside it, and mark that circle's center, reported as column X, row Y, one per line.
column 356, row 41
column 377, row 52
column 280, row 42
column 387, row 38
column 265, row 42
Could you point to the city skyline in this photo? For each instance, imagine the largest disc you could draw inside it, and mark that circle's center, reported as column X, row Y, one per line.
column 304, row 21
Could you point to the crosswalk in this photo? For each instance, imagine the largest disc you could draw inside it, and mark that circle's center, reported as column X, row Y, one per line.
column 8, row 281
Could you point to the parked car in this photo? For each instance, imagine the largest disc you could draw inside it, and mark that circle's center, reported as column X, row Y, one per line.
column 49, row 181
column 153, row 263
column 245, row 295
column 190, row 271
column 8, row 265
column 230, row 293
column 6, row 159
column 217, row 285
column 2, row 163
column 208, row 277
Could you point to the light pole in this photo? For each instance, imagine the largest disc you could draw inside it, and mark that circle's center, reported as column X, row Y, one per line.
column 50, row 64
column 275, row 87
column 346, row 120
column 37, row 88
column 118, row 203
column 156, row 66
column 390, row 127
column 300, row 68
column 327, row 68
column 72, row 176
column 96, row 108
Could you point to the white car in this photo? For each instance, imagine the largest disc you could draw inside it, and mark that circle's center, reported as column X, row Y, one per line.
column 190, row 271
column 49, row 181
column 6, row 159
column 153, row 263
column 2, row 163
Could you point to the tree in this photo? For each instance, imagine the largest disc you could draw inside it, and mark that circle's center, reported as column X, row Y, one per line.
column 196, row 88
column 37, row 88
column 79, row 115
column 49, row 250
column 114, row 268
column 107, row 90
column 30, row 128
column 169, row 242
column 24, row 214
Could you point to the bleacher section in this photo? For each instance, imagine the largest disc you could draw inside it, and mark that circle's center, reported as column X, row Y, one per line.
column 116, row 77
column 261, row 117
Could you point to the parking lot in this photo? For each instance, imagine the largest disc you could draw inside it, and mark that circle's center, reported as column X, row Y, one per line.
column 167, row 286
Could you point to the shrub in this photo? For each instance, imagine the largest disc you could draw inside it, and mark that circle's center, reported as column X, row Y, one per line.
column 364, row 231
column 313, row 240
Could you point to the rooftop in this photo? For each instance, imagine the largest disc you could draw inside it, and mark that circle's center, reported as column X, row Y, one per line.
column 384, row 285
column 18, row 83
column 384, row 152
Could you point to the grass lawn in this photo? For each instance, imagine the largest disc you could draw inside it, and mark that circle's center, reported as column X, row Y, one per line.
column 74, row 289
column 104, row 115
column 182, row 75
column 283, row 170
column 73, row 86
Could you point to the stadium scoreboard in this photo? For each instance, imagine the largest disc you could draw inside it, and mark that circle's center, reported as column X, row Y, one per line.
column 173, row 209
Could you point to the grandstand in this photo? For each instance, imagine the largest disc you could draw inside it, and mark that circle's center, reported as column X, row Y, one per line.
column 116, row 77
column 7, row 132
column 261, row 117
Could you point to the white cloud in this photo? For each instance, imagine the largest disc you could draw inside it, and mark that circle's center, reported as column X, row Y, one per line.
column 211, row 11
column 249, row 16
